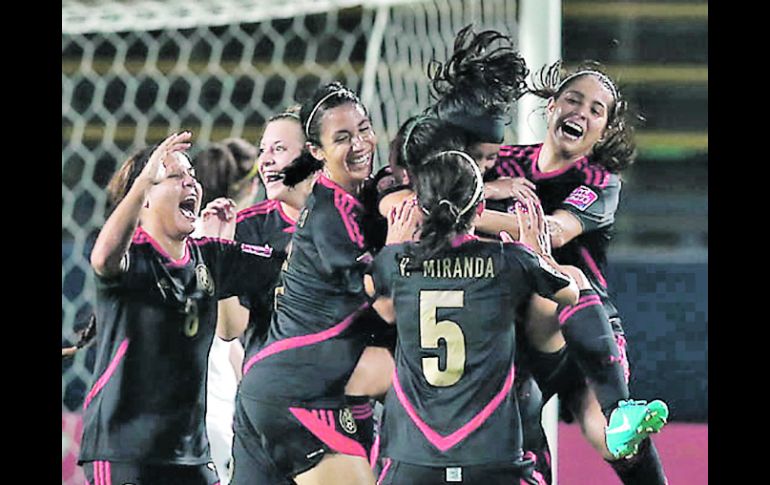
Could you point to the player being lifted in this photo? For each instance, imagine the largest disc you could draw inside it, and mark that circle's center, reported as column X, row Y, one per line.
column 575, row 172
column 291, row 413
column 451, row 414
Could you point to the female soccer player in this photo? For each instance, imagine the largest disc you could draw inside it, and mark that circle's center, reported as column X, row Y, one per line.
column 575, row 173
column 450, row 415
column 291, row 410
column 225, row 169
column 157, row 290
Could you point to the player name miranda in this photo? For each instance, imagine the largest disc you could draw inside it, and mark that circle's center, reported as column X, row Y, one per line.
column 453, row 267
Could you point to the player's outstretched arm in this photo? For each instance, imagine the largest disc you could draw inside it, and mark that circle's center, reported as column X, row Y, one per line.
column 115, row 237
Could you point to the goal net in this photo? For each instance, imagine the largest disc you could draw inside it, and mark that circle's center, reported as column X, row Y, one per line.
column 134, row 71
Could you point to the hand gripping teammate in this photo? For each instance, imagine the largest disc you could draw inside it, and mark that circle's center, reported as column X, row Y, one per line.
column 451, row 415
column 575, row 172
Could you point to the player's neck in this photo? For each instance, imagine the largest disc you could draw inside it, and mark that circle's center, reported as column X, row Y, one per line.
column 173, row 246
column 550, row 160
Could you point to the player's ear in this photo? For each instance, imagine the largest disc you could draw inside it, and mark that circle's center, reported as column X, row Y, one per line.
column 316, row 151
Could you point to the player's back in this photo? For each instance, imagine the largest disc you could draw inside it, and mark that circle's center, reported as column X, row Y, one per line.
column 450, row 402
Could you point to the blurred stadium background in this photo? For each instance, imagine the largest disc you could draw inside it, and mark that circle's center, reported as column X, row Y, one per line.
column 133, row 71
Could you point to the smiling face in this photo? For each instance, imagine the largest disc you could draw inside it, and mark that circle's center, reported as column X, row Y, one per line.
column 174, row 203
column 347, row 144
column 578, row 117
column 281, row 143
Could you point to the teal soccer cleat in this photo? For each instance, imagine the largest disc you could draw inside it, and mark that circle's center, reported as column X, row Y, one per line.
column 631, row 422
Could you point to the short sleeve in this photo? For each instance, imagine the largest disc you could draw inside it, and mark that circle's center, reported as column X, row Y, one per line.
column 238, row 268
column 543, row 277
column 384, row 268
column 594, row 206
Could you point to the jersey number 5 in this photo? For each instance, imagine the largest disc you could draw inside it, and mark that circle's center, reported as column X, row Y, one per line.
column 431, row 332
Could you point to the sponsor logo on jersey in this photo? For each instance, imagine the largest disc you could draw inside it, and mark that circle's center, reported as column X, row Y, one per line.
column 205, row 281
column 581, row 198
column 347, row 422
column 265, row 251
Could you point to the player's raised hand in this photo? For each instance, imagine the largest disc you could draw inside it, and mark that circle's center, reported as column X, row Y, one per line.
column 404, row 221
column 160, row 163
column 218, row 219
column 533, row 230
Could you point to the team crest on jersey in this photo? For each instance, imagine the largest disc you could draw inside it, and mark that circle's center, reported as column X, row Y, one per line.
column 581, row 198
column 205, row 281
column 347, row 422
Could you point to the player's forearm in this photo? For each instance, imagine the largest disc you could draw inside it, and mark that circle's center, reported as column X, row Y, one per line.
column 563, row 227
column 115, row 237
column 492, row 222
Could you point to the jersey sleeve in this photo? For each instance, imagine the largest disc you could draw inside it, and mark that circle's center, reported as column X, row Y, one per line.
column 594, row 205
column 543, row 277
column 132, row 273
column 238, row 269
column 384, row 269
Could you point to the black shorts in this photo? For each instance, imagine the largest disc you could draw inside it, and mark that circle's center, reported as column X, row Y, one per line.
column 399, row 473
column 118, row 473
column 281, row 441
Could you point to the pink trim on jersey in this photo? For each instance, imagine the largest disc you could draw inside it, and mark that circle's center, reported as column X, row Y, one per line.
column 384, row 472
column 593, row 266
column 343, row 204
column 538, row 175
column 331, row 184
column 443, row 443
column 97, row 474
column 461, row 239
column 108, row 472
column 141, row 237
column 202, row 241
column 102, row 381
column 374, row 453
column 303, row 340
column 328, row 434
column 264, row 207
column 582, row 303
column 286, row 217
column 535, row 474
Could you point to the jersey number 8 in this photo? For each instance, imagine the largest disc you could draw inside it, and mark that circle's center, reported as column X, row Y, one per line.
column 431, row 332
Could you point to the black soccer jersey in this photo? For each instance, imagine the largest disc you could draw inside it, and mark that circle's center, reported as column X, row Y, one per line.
column 450, row 402
column 267, row 225
column 312, row 344
column 587, row 190
column 156, row 321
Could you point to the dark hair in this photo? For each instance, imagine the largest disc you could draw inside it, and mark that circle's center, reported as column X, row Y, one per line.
column 326, row 97
column 475, row 88
column 122, row 181
column 617, row 148
column 300, row 168
column 422, row 136
column 445, row 183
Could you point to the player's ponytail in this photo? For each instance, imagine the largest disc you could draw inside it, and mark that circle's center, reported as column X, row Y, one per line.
column 449, row 188
column 476, row 87
column 301, row 168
